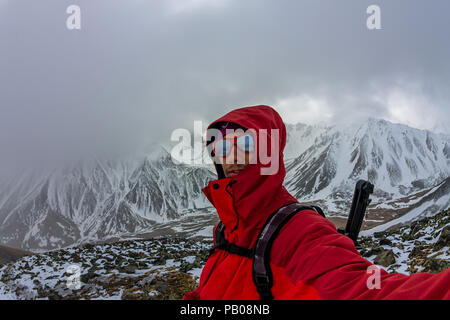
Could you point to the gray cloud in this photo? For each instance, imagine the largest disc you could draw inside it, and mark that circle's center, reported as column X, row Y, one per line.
column 139, row 69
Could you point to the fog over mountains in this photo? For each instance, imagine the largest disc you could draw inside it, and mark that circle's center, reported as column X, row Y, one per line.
column 98, row 199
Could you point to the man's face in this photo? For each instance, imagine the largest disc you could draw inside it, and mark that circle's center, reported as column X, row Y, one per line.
column 237, row 159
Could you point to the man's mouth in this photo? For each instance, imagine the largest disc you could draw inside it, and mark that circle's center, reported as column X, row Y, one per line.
column 232, row 173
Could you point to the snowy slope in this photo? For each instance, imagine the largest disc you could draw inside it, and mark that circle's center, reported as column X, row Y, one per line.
column 167, row 268
column 426, row 206
column 134, row 269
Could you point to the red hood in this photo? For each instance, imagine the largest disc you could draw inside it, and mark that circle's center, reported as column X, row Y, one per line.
column 246, row 204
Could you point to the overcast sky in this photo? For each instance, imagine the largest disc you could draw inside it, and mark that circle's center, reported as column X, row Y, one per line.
column 138, row 69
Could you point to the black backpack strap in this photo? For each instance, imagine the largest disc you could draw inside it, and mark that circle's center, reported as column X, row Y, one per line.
column 262, row 273
column 222, row 243
column 319, row 210
column 217, row 234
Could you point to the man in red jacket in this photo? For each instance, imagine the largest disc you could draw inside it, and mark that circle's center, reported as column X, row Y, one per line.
column 309, row 259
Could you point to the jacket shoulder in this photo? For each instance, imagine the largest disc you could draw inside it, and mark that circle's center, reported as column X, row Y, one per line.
column 305, row 230
column 306, row 224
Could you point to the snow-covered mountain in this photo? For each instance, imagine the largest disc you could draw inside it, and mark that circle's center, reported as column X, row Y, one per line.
column 399, row 160
column 99, row 199
column 395, row 157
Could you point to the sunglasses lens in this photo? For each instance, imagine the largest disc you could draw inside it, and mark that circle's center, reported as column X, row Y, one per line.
column 222, row 147
column 246, row 143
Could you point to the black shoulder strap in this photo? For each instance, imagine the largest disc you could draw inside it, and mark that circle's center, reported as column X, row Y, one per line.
column 222, row 243
column 319, row 211
column 262, row 273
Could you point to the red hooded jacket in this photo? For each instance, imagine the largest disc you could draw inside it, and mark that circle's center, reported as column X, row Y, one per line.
column 309, row 258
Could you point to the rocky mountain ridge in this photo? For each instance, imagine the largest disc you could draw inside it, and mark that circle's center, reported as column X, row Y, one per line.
column 146, row 194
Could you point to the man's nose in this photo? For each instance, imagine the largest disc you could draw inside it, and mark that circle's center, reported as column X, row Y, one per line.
column 235, row 157
column 232, row 156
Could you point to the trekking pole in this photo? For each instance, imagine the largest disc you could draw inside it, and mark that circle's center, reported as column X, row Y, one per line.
column 361, row 200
